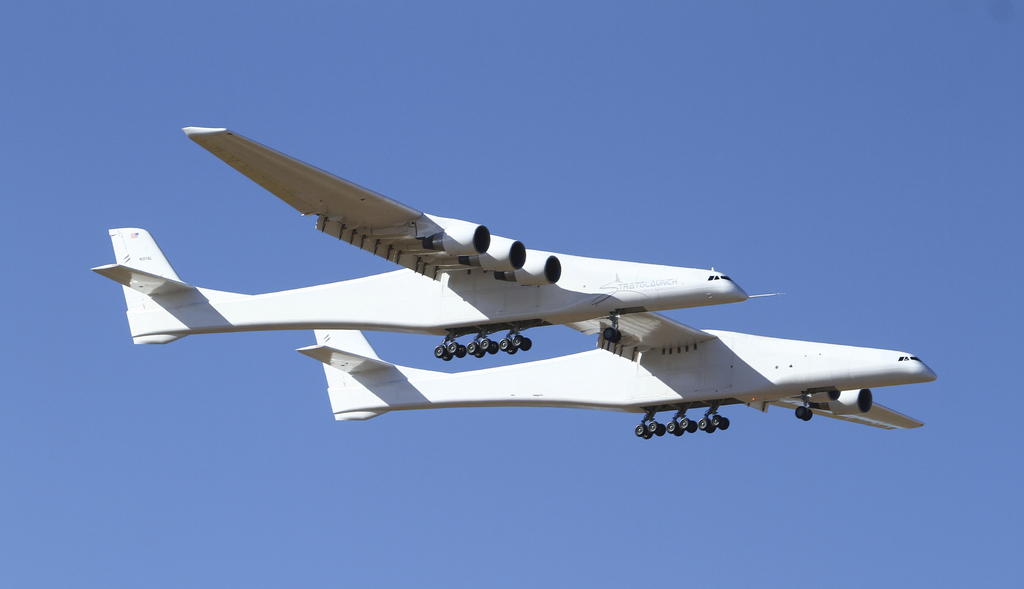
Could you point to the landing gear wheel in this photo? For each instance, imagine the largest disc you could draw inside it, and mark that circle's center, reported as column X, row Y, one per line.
column 716, row 420
column 493, row 349
column 526, row 345
column 648, row 435
column 691, row 427
column 447, row 357
column 640, row 430
column 517, row 340
column 485, row 344
column 804, row 413
column 439, row 352
column 711, row 428
column 472, row 348
column 461, row 352
column 609, row 334
column 703, row 424
column 660, row 431
column 724, row 424
column 652, row 427
column 672, row 427
column 505, row 344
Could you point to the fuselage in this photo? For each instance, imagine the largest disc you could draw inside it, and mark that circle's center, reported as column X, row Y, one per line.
column 735, row 367
column 405, row 301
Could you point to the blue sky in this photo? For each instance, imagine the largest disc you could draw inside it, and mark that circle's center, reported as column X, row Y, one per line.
column 864, row 158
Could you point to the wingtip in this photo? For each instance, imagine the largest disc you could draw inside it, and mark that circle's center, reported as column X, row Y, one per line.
column 193, row 132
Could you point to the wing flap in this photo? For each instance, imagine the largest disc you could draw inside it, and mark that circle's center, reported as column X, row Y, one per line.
column 144, row 282
column 878, row 416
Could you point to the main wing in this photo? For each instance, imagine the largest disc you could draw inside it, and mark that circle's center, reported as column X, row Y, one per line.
column 642, row 332
column 425, row 243
column 878, row 416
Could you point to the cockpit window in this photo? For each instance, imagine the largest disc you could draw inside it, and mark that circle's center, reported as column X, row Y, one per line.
column 909, row 358
column 719, row 277
column 726, row 278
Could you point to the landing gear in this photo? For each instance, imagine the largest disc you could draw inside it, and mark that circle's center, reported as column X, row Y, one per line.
column 481, row 346
column 680, row 424
column 612, row 334
column 804, row 413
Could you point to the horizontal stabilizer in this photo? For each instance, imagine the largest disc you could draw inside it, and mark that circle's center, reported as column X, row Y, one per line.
column 144, row 282
column 344, row 361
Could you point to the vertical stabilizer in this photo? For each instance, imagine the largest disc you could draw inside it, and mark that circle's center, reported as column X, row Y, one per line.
column 137, row 249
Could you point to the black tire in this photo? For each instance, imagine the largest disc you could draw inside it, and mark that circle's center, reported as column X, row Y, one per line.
column 640, row 430
column 618, row 337
column 439, row 352
column 703, row 424
column 660, row 431
column 672, row 427
column 486, row 344
column 648, row 435
column 724, row 424
column 472, row 348
column 505, row 344
column 609, row 334
column 526, row 345
column 801, row 412
column 512, row 350
column 452, row 347
column 809, row 415
column 447, row 357
column 517, row 340
column 711, row 428
column 652, row 426
column 480, row 353
column 692, row 427
column 716, row 420
column 461, row 352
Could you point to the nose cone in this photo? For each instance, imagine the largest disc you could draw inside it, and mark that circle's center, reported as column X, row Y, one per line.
column 927, row 374
column 732, row 293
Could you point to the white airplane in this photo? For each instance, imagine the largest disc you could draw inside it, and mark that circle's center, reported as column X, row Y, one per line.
column 670, row 367
column 459, row 280
column 456, row 278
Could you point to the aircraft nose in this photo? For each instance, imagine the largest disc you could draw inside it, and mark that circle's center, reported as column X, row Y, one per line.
column 927, row 373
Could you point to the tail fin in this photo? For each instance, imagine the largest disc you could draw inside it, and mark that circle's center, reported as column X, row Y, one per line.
column 144, row 271
column 350, row 363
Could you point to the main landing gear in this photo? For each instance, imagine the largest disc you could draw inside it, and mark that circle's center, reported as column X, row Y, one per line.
column 804, row 413
column 481, row 346
column 680, row 424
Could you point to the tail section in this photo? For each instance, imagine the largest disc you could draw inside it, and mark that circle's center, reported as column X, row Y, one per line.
column 144, row 272
column 350, row 363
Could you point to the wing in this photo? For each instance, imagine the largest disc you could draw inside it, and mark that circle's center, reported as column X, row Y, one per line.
column 877, row 416
column 642, row 332
column 351, row 213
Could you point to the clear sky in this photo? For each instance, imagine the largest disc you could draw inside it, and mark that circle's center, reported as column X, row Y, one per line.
column 865, row 158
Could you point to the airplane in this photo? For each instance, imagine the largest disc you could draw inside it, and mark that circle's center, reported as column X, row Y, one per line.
column 455, row 278
column 671, row 367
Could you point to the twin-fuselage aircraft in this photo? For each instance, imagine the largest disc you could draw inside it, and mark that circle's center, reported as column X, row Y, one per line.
column 459, row 282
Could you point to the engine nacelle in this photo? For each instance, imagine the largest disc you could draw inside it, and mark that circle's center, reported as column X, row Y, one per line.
column 460, row 239
column 505, row 255
column 539, row 270
column 848, row 402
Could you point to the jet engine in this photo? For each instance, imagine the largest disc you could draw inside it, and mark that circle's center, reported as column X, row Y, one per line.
column 539, row 270
column 504, row 255
column 460, row 239
column 847, row 402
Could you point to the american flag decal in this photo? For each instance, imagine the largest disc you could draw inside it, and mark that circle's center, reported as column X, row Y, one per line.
column 134, row 235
